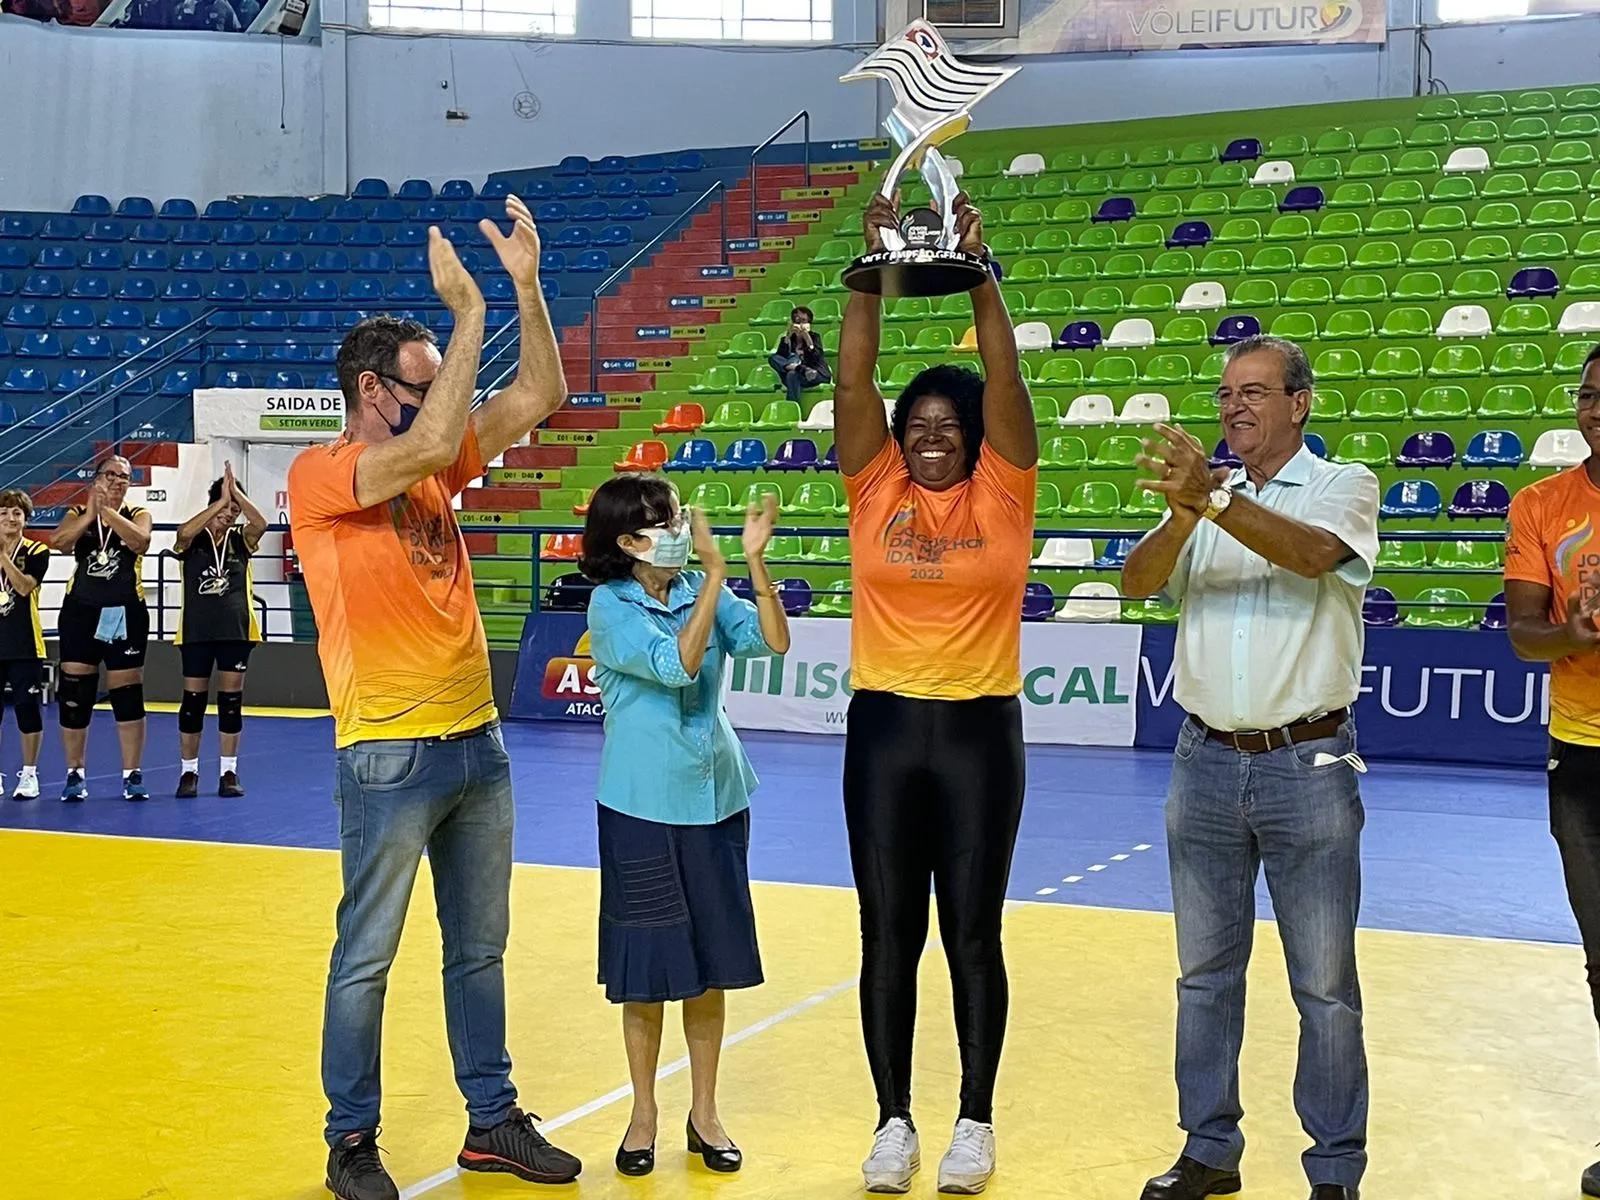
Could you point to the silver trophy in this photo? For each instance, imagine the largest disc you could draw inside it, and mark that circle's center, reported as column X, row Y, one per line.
column 934, row 95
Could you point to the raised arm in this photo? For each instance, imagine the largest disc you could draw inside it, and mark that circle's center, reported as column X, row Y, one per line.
column 758, row 526
column 255, row 521
column 73, row 526
column 387, row 468
column 191, row 528
column 539, row 387
column 1007, row 408
column 859, row 424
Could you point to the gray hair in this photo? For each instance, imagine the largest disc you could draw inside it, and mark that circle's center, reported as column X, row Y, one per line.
column 1297, row 376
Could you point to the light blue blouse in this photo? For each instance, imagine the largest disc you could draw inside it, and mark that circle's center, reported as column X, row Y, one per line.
column 670, row 754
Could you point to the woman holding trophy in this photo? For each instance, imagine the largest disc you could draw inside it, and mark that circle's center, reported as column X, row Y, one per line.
column 941, row 533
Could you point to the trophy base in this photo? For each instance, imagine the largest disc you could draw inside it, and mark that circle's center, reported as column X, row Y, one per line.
column 924, row 272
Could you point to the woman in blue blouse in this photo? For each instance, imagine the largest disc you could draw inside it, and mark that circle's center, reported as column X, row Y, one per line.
column 676, row 921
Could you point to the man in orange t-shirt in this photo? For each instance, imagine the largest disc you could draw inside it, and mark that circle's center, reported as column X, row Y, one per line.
column 421, row 760
column 1552, row 605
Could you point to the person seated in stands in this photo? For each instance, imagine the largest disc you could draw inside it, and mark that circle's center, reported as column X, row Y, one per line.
column 798, row 360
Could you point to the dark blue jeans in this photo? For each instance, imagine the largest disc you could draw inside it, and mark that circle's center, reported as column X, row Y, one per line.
column 1228, row 815
column 397, row 798
column 796, row 377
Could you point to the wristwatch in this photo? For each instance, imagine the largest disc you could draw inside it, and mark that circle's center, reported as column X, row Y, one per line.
column 1218, row 503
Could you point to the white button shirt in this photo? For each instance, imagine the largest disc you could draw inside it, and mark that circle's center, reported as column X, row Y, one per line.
column 1258, row 646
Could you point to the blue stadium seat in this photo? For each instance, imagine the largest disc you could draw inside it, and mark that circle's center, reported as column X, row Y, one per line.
column 413, row 262
column 122, row 316
column 150, row 232
column 1411, row 499
column 237, row 350
column 661, row 185
column 103, row 258
column 1493, row 448
column 74, row 379
column 374, row 262
column 263, row 210
column 139, row 290
column 8, row 414
column 412, row 288
column 305, row 212
column 551, row 212
column 197, row 261
column 592, row 210
column 171, row 317
column 50, row 414
column 552, row 262
column 363, row 288
column 321, row 291
column 476, row 210
column 321, row 235
column 286, row 379
column 611, row 164
column 127, row 379
column 90, row 345
column 330, row 262
column 621, row 188
column 181, row 289
column 743, row 454
column 287, row 262
column 26, row 380
column 224, row 210
column 106, row 231
column 8, row 285
column 13, row 257
column 55, row 258
column 550, row 289
column 387, row 212
column 614, row 235
column 39, row 345
column 317, row 318
column 572, row 164
column 229, row 289
column 370, row 189
column 456, row 189
column 687, row 162
column 90, row 287
column 647, row 164
column 273, row 291
column 74, row 316
column 696, row 454
column 5, row 345
column 151, row 259
column 236, row 233
column 27, row 316
column 242, row 262
column 135, row 344
column 499, row 290
column 577, row 189
column 137, row 208
column 347, row 211
column 192, row 233
column 179, row 210
column 16, row 228
column 327, row 381
column 282, row 234
column 406, row 236
column 573, row 237
column 91, row 206
column 432, row 212
column 60, row 229
column 268, row 319
column 592, row 260
column 43, row 285
column 634, row 210
column 537, row 189
column 363, row 235
column 180, row 382
column 234, row 379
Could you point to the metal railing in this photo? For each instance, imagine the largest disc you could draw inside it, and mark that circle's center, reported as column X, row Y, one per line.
column 687, row 214
column 804, row 115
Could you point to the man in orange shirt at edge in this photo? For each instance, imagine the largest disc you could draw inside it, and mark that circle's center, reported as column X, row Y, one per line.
column 1552, row 604
column 421, row 763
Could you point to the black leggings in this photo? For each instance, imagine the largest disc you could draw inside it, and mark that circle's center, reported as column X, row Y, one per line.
column 932, row 790
column 1575, row 822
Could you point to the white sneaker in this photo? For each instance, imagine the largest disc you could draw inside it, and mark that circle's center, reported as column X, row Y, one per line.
column 896, row 1155
column 27, row 788
column 968, row 1164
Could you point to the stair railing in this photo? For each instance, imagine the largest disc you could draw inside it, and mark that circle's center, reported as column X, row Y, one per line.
column 804, row 116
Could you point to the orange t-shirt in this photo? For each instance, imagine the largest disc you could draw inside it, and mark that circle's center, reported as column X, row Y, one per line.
column 938, row 578
column 1554, row 541
column 398, row 629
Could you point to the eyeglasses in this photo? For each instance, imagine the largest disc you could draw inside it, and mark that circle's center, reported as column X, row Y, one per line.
column 116, row 476
column 419, row 390
column 1251, row 394
column 1586, row 398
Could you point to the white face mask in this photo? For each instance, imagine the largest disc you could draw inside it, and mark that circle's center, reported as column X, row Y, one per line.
column 668, row 547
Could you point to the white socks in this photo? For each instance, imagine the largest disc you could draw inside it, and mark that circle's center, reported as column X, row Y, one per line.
column 230, row 764
column 28, row 773
column 190, row 765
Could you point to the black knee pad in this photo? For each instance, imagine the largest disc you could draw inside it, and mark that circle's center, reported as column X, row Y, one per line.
column 29, row 718
column 76, row 696
column 127, row 702
column 192, row 712
column 230, row 712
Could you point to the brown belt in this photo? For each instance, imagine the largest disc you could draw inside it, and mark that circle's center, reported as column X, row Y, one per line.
column 1260, row 741
column 475, row 731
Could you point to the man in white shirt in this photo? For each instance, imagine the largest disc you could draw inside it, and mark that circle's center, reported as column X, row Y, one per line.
column 1270, row 563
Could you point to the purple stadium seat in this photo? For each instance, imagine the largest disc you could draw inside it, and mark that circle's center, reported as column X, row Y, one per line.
column 1235, row 329
column 1117, row 208
column 1533, row 281
column 1431, row 449
column 1493, row 448
column 1494, row 616
column 1189, row 233
column 830, row 460
column 1411, row 498
column 796, row 454
column 1480, row 499
column 1080, row 335
column 742, row 588
column 1380, row 608
column 1222, row 456
column 1038, row 602
column 1302, row 199
column 1241, row 150
column 795, row 596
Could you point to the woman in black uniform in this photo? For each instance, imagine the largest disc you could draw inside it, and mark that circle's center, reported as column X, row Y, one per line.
column 104, row 620
column 23, row 563
column 217, row 627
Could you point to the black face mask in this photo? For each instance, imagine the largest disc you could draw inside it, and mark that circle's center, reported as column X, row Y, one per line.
column 408, row 414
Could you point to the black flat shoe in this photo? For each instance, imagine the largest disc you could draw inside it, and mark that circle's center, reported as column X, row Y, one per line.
column 1333, row 1191
column 1190, row 1179
column 636, row 1162
column 725, row 1159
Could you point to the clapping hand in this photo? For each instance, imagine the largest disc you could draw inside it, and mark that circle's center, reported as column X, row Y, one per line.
column 705, row 543
column 519, row 252
column 759, row 520
column 451, row 280
column 1183, row 472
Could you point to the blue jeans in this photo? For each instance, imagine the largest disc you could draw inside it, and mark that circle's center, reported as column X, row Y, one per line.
column 796, row 377
column 395, row 799
column 1229, row 814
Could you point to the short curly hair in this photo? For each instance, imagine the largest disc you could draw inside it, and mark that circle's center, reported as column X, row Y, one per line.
column 963, row 387
column 17, row 498
column 625, row 504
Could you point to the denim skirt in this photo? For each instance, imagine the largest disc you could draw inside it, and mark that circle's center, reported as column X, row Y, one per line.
column 675, row 911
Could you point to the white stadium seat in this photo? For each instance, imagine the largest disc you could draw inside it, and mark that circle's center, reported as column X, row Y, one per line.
column 1026, row 164
column 1558, row 448
column 1091, row 602
column 1131, row 333
column 1065, row 552
column 1583, row 316
column 1145, row 408
column 1273, row 172
column 1092, row 408
column 1034, row 335
column 1465, row 320
column 1467, row 160
column 1202, row 297
column 821, row 416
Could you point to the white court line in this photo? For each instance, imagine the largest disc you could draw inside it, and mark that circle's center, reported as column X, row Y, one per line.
column 672, row 1068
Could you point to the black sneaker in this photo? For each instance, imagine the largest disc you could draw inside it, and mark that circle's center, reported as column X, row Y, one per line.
column 229, row 784
column 133, row 787
column 1591, row 1180
column 354, row 1172
column 76, row 790
column 515, row 1147
column 188, row 786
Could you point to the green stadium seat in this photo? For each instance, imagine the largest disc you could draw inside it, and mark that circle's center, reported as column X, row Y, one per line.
column 910, row 308
column 1383, row 137
column 815, row 499
column 1338, row 364
column 1238, row 231
column 1348, row 225
column 1287, row 145
column 891, row 340
column 758, row 381
column 805, row 281
column 1570, row 358
column 751, row 343
column 1184, row 331
column 1180, row 179
column 774, row 312
column 1029, row 270
column 1543, row 247
column 1407, row 323
column 1208, row 204
column 830, row 602
column 1447, row 402
column 1052, row 302
column 903, row 373
column 1046, row 411
column 1505, row 186
column 1308, row 291
column 1098, row 238
column 955, row 307
column 1329, row 257
column 712, row 497
column 1435, row 608
column 1210, row 368
column 1481, row 132
column 1116, row 452
column 1165, row 207
column 1498, row 215
column 1172, row 264
column 1197, row 406
column 1552, row 214
column 1584, row 280
column 1002, row 189
column 1256, row 293
column 1096, row 185
column 1396, row 362
column 719, row 379
column 835, row 250
column 1523, row 320
column 1578, row 125
column 1327, row 404
column 1401, row 193
column 1430, row 132
column 1352, row 195
column 1379, row 404
column 1074, row 268
column 1101, row 300
column 1559, row 402
column 1368, row 166
column 1296, row 326
column 1027, row 212
column 1096, row 498
column 1198, row 152
column 1008, row 242
column 1227, row 175
column 1334, row 141
column 1122, row 266
column 1459, row 189
column 1517, row 358
column 1480, row 283
column 1417, row 162
column 1114, row 371
column 1401, row 556
column 827, row 549
column 1565, row 154
column 1533, row 102
column 1386, row 222
column 1048, row 187
column 1377, row 256
column 824, row 311
column 1558, row 183
column 1370, row 449
column 1073, row 212
column 1135, row 182
column 1063, row 453
column 1419, row 285
column 934, row 339
column 983, row 167
column 1517, row 157
column 1467, row 556
column 1363, row 289
column 1443, row 218
column 1061, row 369
column 1319, row 170
column 1110, row 159
column 1348, row 325
column 1291, row 227
column 1488, row 247
column 1149, row 298
column 1065, row 161
column 1485, row 104
column 1272, row 260
column 1167, row 370
column 1256, row 200
column 1153, row 156
column 1528, row 129
column 1588, row 245
column 1457, row 362
column 1142, row 503
column 1050, row 241
column 1508, row 402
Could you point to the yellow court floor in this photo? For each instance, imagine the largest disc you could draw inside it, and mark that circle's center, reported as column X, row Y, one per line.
column 161, row 1005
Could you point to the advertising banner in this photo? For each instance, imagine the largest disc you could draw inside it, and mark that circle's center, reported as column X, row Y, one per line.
column 264, row 415
column 280, row 18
